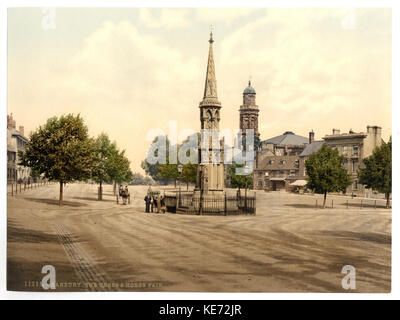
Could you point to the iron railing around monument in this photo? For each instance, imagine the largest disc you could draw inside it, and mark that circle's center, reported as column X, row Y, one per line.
column 211, row 204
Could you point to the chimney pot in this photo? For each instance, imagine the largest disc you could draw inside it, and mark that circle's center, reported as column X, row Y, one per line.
column 311, row 136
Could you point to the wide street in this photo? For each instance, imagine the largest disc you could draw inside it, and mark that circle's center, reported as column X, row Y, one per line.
column 288, row 246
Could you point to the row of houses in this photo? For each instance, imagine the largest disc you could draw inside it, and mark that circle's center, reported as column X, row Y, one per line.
column 281, row 160
column 16, row 141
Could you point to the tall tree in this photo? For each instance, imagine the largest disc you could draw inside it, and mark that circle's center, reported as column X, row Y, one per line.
column 118, row 167
column 325, row 172
column 189, row 173
column 103, row 155
column 60, row 150
column 377, row 171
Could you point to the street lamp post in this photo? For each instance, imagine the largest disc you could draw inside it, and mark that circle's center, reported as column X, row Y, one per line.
column 180, row 169
column 245, row 189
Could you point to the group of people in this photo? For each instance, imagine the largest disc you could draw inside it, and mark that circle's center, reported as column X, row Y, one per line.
column 154, row 203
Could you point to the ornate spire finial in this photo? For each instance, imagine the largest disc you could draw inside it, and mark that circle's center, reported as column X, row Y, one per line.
column 210, row 90
column 211, row 34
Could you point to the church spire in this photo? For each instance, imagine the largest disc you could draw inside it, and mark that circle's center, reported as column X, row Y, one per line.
column 210, row 97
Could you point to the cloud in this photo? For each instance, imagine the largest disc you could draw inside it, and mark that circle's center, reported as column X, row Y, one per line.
column 168, row 18
column 304, row 58
column 309, row 73
column 227, row 16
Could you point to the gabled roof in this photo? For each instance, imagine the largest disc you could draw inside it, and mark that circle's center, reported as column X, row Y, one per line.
column 288, row 138
column 311, row 148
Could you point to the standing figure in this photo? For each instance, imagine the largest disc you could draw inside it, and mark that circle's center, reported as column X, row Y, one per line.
column 159, row 203
column 147, row 200
column 163, row 208
column 155, row 203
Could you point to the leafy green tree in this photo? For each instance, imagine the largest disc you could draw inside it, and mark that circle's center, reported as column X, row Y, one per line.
column 377, row 171
column 118, row 167
column 103, row 149
column 60, row 150
column 239, row 180
column 189, row 173
column 168, row 171
column 153, row 170
column 325, row 172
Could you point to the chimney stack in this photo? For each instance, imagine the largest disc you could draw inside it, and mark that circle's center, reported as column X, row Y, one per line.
column 376, row 132
column 21, row 130
column 335, row 131
column 11, row 124
column 311, row 136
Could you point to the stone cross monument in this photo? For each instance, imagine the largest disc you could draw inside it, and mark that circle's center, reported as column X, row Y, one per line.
column 210, row 172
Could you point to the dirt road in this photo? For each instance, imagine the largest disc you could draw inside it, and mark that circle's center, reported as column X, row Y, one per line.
column 289, row 246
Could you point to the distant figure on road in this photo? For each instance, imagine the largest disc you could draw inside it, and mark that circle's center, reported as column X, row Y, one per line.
column 155, row 203
column 147, row 200
column 162, row 203
column 151, row 203
column 159, row 203
column 125, row 195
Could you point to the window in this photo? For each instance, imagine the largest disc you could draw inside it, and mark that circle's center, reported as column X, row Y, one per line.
column 296, row 163
column 282, row 162
column 281, row 172
column 270, row 161
column 267, row 183
column 355, row 185
column 260, row 183
column 292, row 172
column 355, row 150
column 346, row 150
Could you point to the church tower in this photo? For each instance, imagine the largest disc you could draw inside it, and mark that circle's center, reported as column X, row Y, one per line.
column 210, row 172
column 249, row 111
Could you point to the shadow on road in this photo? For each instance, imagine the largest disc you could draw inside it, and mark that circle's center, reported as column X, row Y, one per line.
column 55, row 202
column 93, row 199
column 18, row 234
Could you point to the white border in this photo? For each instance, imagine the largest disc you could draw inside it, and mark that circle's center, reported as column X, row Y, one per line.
column 192, row 3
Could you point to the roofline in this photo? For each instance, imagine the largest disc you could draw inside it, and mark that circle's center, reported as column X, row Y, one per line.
column 20, row 135
column 345, row 136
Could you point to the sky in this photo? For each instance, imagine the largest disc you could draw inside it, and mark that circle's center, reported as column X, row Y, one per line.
column 130, row 70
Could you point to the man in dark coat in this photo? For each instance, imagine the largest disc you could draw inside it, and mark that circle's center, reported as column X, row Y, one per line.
column 147, row 200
